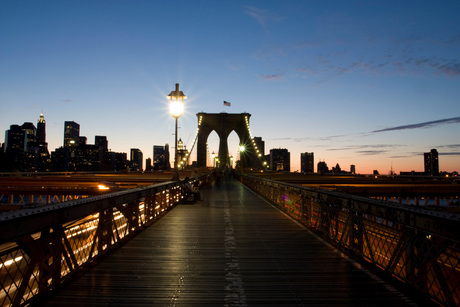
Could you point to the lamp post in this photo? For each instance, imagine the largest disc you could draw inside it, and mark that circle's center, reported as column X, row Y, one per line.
column 242, row 149
column 176, row 109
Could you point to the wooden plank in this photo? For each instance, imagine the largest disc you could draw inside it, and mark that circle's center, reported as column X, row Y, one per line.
column 230, row 249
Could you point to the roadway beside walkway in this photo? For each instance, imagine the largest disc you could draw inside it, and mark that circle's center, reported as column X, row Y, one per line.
column 230, row 249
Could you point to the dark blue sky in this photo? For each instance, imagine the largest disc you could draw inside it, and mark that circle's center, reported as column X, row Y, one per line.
column 337, row 78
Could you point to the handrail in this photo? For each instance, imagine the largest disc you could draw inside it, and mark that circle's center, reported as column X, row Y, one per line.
column 417, row 246
column 41, row 248
column 22, row 222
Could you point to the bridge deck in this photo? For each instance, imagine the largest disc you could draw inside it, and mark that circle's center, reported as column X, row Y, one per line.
column 230, row 249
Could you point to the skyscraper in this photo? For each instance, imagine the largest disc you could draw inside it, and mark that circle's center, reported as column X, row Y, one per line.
column 182, row 153
column 322, row 167
column 307, row 162
column 14, row 139
column 136, row 160
column 280, row 160
column 102, row 142
column 71, row 134
column 431, row 163
column 161, row 157
column 41, row 129
column 29, row 131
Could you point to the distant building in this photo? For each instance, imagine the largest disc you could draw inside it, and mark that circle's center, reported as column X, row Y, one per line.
column 431, row 163
column 337, row 169
column 60, row 159
column 22, row 151
column 41, row 129
column 14, row 139
column 29, row 134
column 85, row 158
column 280, row 160
column 118, row 161
column 82, row 140
column 182, row 154
column 411, row 173
column 322, row 168
column 161, row 157
column 44, row 159
column 307, row 162
column 71, row 134
column 137, row 159
column 101, row 142
column 353, row 169
column 148, row 165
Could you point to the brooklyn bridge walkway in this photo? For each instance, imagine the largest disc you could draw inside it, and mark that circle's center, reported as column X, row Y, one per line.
column 230, row 249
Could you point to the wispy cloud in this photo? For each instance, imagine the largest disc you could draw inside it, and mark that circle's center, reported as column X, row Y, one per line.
column 449, row 153
column 368, row 149
column 451, row 146
column 454, row 120
column 273, row 77
column 366, row 146
column 66, row 100
column 263, row 17
column 430, row 124
column 385, row 56
column 371, row 152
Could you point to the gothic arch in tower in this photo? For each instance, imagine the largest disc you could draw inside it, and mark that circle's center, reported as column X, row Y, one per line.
column 224, row 124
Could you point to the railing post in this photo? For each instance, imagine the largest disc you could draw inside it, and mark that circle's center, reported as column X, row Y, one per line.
column 357, row 232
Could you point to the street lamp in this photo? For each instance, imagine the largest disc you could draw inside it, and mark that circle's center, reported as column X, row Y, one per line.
column 242, row 149
column 176, row 109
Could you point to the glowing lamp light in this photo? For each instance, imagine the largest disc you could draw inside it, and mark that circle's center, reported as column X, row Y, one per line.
column 176, row 109
column 102, row 187
column 242, row 148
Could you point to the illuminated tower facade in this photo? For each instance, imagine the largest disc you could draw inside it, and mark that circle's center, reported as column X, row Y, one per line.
column 280, row 160
column 182, row 154
column 71, row 134
column 307, row 162
column 136, row 159
column 41, row 129
column 161, row 157
column 431, row 163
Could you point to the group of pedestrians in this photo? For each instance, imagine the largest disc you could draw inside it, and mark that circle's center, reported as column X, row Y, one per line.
column 192, row 191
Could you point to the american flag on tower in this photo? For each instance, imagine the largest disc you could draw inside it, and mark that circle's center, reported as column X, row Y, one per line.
column 226, row 103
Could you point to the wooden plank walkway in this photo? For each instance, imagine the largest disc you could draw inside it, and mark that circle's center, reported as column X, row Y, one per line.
column 230, row 249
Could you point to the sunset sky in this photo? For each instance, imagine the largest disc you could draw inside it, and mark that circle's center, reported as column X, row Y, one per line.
column 370, row 83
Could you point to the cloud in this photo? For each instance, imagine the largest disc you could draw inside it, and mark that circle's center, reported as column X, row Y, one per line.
column 449, row 153
column 453, row 146
column 66, row 100
column 415, row 56
column 371, row 152
column 273, row 77
column 263, row 17
column 454, row 120
column 332, row 137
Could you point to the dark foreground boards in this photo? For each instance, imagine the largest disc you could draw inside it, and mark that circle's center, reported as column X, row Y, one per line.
column 230, row 249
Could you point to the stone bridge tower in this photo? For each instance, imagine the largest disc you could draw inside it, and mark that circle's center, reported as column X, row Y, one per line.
column 224, row 124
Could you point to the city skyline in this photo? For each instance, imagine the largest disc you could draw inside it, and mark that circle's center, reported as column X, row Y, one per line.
column 375, row 85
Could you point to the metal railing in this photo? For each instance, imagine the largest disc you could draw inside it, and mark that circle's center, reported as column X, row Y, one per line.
column 41, row 248
column 417, row 246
